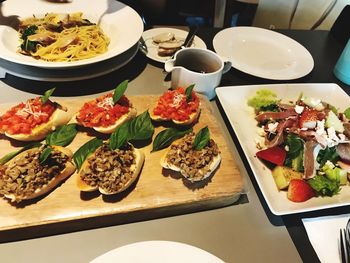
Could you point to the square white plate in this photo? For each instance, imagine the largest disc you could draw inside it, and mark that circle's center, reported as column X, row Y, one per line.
column 234, row 102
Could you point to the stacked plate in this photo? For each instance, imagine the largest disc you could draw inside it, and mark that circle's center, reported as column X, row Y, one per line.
column 111, row 16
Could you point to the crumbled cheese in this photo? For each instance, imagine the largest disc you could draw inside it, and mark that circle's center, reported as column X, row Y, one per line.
column 177, row 100
column 299, row 109
column 106, row 103
column 320, row 127
column 28, row 109
column 328, row 137
column 272, row 127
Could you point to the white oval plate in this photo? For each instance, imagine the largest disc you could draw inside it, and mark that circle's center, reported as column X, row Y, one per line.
column 121, row 23
column 263, row 53
column 157, row 252
column 179, row 34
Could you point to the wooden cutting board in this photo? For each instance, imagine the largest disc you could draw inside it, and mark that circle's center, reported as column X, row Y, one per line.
column 156, row 188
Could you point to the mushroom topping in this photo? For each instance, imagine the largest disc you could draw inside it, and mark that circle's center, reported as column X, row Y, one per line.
column 195, row 165
column 109, row 170
column 24, row 176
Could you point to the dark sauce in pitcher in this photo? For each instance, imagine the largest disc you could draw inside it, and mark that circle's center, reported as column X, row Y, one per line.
column 196, row 62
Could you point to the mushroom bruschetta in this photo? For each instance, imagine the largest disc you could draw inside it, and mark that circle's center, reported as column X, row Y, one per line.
column 33, row 120
column 177, row 106
column 195, row 165
column 26, row 176
column 110, row 171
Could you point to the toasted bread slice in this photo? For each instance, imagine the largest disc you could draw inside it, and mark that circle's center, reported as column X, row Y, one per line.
column 200, row 174
column 132, row 112
column 135, row 169
column 65, row 173
column 192, row 118
column 175, row 100
column 57, row 119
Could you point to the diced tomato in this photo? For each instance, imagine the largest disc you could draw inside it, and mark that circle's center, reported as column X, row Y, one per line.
column 23, row 117
column 172, row 105
column 275, row 155
column 96, row 113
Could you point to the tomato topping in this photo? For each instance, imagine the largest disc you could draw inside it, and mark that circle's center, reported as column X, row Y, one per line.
column 24, row 117
column 275, row 155
column 172, row 105
column 101, row 112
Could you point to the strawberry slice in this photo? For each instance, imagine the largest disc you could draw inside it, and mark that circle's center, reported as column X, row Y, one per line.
column 275, row 155
column 309, row 118
column 299, row 191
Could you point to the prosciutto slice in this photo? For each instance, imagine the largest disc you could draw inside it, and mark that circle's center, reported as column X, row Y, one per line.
column 271, row 115
column 309, row 159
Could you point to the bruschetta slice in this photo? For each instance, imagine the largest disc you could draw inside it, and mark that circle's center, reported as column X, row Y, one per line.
column 194, row 165
column 33, row 120
column 103, row 115
column 174, row 106
column 25, row 177
column 110, row 171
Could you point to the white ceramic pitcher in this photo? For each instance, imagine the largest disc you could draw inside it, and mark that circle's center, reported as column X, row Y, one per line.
column 201, row 67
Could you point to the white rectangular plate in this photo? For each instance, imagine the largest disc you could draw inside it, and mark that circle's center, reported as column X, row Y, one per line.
column 234, row 102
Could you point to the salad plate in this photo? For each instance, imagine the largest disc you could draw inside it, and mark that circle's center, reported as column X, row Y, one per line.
column 242, row 119
column 157, row 251
column 111, row 15
column 263, row 53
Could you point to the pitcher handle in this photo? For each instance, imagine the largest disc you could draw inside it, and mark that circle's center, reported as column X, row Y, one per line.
column 227, row 66
column 169, row 65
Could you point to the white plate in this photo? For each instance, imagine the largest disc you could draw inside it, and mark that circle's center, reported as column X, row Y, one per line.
column 179, row 34
column 263, row 53
column 121, row 23
column 157, row 252
column 80, row 73
column 234, row 102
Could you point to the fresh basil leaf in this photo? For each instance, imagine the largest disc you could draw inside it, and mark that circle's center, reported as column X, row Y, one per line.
column 202, row 138
column 188, row 92
column 11, row 155
column 119, row 91
column 119, row 137
column 141, row 128
column 45, row 154
column 62, row 136
column 84, row 151
column 47, row 95
column 166, row 137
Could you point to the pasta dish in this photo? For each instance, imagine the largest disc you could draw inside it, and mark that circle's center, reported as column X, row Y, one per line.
column 61, row 37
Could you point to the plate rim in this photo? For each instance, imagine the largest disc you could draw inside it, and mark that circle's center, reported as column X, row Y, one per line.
column 236, row 29
column 123, row 59
column 197, row 40
column 220, row 91
column 168, row 243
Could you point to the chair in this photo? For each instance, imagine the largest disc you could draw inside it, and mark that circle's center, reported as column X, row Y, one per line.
column 340, row 29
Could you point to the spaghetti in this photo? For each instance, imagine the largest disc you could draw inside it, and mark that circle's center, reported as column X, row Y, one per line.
column 58, row 38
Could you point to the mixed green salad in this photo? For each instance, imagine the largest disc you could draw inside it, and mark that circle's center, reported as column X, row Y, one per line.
column 305, row 143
